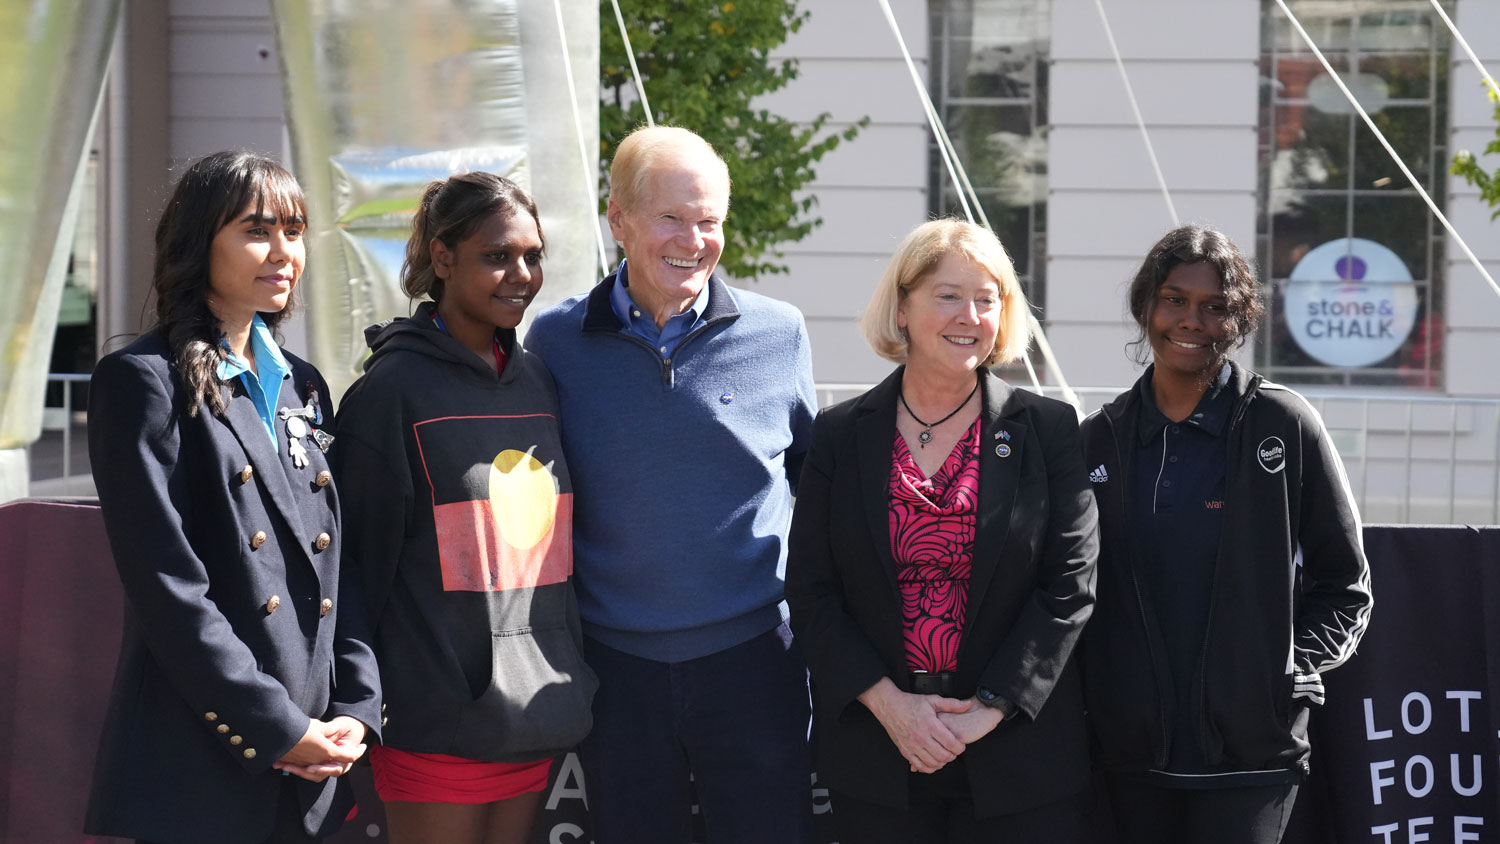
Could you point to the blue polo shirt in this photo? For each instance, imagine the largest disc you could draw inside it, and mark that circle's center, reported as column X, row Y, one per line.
column 640, row 324
column 1179, row 494
column 263, row 388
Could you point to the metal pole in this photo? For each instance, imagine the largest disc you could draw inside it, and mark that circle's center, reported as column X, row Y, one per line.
column 67, row 387
column 1495, row 474
column 1452, row 458
column 1364, row 458
column 1406, row 504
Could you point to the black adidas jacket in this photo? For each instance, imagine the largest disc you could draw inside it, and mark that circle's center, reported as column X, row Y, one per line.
column 1290, row 600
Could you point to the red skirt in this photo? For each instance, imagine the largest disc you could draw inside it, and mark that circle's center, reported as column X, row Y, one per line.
column 403, row 776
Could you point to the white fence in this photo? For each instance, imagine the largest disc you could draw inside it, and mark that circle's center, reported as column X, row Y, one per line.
column 1410, row 459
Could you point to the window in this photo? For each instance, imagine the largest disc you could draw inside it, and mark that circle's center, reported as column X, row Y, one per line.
column 1350, row 254
column 989, row 84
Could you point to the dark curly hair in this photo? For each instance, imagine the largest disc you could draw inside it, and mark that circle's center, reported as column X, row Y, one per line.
column 210, row 194
column 1191, row 245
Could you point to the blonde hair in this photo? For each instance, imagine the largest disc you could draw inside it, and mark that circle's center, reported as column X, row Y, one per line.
column 649, row 146
column 917, row 256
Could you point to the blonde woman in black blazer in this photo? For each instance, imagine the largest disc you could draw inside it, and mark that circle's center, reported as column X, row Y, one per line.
column 938, row 718
column 246, row 684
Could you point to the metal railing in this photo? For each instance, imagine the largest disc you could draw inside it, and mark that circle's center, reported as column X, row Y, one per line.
column 1409, row 459
column 66, row 380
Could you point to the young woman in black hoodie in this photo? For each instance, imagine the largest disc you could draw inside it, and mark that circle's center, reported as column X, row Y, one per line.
column 458, row 518
column 1231, row 570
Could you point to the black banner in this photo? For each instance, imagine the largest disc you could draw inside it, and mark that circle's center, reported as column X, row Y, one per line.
column 1406, row 749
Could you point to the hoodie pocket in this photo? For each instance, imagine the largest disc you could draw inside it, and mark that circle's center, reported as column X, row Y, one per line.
column 1254, row 727
column 539, row 701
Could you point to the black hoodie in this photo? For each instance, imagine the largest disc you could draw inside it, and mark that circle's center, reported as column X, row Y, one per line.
column 458, row 521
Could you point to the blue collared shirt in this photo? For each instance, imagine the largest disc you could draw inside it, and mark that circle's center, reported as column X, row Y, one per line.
column 265, row 388
column 640, row 324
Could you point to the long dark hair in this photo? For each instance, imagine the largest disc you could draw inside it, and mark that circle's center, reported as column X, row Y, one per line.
column 210, row 194
column 451, row 210
column 1190, row 245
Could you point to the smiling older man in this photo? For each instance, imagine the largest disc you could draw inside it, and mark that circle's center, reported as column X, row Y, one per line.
column 686, row 408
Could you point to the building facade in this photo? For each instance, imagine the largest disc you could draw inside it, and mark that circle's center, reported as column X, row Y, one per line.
column 1251, row 136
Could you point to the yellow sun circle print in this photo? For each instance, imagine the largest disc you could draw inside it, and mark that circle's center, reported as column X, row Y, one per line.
column 523, row 497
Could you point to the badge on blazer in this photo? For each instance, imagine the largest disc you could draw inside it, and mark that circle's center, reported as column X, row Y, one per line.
column 296, row 429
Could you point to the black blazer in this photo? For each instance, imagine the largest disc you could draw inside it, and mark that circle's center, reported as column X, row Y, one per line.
column 216, row 679
column 1031, row 591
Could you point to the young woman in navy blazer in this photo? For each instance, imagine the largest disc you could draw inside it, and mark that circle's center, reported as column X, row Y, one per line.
column 245, row 685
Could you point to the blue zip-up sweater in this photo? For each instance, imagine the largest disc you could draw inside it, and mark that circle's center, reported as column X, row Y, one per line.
column 682, row 468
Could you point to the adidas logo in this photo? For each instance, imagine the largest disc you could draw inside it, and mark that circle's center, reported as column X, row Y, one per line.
column 1099, row 476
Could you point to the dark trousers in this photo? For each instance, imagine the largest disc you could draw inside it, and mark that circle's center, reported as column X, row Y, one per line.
column 735, row 722
column 941, row 811
column 1146, row 813
column 288, row 828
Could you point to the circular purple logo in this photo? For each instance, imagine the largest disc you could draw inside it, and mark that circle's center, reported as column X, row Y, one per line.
column 1350, row 268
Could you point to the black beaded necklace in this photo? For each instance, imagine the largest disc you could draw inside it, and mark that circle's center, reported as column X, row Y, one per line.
column 925, row 436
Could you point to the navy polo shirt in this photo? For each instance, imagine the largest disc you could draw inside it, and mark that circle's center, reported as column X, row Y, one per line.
column 1179, row 504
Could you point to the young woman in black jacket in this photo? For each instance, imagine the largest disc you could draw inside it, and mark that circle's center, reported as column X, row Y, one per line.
column 1231, row 570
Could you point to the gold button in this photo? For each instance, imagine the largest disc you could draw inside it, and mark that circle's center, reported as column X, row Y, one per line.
column 382, row 707
column 257, row 539
column 223, row 728
column 273, row 603
column 210, row 716
column 384, row 720
column 249, row 753
column 323, row 541
column 236, row 741
column 326, row 607
column 247, row 473
column 323, row 479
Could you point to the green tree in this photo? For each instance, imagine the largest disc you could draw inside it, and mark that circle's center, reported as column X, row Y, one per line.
column 702, row 65
column 1467, row 165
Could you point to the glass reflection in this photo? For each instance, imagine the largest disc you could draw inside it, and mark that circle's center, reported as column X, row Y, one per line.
column 1325, row 176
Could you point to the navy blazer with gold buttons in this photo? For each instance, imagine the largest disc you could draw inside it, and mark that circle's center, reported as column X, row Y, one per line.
column 1031, row 591
column 238, row 625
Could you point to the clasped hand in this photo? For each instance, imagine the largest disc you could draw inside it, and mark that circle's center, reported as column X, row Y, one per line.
column 929, row 730
column 327, row 749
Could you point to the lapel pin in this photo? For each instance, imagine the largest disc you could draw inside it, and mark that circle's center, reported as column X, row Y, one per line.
column 1002, row 434
column 727, row 398
column 323, row 439
column 313, row 405
column 296, row 429
column 1002, row 450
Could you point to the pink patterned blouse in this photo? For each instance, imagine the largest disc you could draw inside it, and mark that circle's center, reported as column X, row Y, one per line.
column 932, row 538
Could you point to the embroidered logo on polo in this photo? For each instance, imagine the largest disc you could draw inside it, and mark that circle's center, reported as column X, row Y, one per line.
column 1272, row 454
column 504, row 518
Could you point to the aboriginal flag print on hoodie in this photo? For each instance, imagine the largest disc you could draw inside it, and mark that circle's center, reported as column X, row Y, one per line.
column 503, row 520
column 458, row 519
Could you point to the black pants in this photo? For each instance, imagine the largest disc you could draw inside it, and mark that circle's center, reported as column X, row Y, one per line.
column 941, row 811
column 735, row 722
column 1146, row 813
